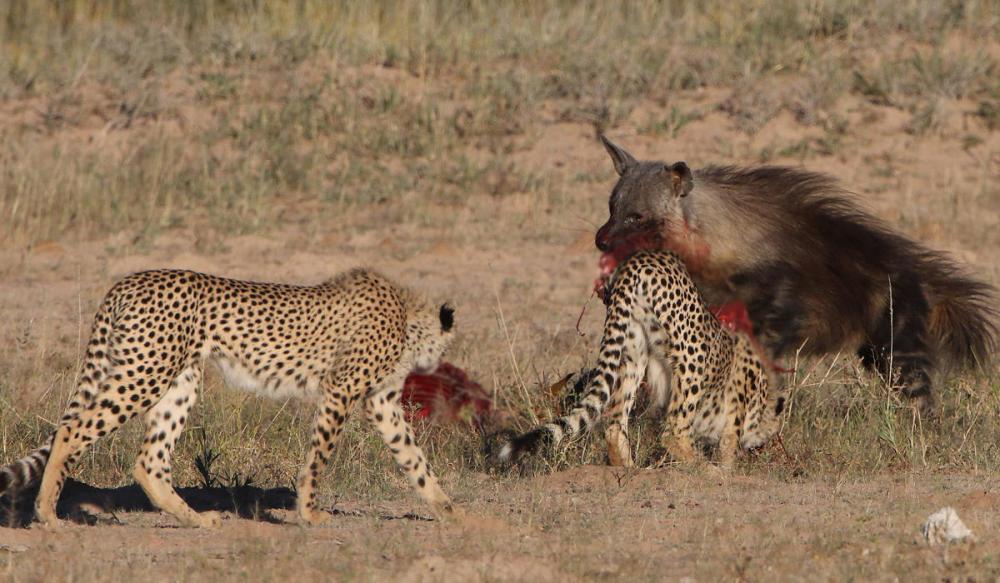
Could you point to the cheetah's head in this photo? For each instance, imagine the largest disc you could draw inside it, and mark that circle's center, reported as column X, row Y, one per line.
column 429, row 337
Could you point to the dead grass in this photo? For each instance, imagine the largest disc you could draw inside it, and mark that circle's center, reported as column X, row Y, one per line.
column 241, row 105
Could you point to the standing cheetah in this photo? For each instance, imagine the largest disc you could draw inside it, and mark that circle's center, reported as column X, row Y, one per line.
column 354, row 337
column 658, row 326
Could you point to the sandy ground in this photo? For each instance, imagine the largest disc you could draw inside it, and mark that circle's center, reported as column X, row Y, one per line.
column 587, row 523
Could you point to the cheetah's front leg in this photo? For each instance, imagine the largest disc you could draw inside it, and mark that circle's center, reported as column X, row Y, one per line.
column 729, row 445
column 385, row 413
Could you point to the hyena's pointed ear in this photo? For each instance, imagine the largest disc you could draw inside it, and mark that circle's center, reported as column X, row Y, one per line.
column 681, row 181
column 621, row 159
column 447, row 317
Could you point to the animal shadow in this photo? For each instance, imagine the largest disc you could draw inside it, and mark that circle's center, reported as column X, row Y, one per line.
column 79, row 502
column 85, row 504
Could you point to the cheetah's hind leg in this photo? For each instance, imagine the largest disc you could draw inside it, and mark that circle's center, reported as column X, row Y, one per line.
column 679, row 447
column 98, row 409
column 67, row 447
column 164, row 422
column 634, row 362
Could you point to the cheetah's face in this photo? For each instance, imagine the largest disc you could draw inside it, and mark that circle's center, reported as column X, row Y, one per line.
column 430, row 337
column 770, row 422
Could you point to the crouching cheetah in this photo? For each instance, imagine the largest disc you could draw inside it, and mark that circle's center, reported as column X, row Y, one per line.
column 658, row 326
column 354, row 337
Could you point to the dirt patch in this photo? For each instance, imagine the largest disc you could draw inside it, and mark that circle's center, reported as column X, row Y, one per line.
column 584, row 523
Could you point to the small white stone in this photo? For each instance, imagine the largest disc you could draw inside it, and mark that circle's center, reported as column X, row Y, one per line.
column 944, row 526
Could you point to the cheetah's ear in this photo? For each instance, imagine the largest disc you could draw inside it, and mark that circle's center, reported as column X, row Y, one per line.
column 622, row 160
column 447, row 317
column 681, row 181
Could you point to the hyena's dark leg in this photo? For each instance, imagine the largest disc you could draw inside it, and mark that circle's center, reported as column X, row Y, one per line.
column 897, row 344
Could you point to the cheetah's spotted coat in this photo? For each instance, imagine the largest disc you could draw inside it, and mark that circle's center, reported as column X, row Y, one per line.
column 354, row 337
column 658, row 326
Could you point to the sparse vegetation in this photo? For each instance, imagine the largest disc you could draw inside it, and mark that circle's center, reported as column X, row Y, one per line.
column 242, row 104
column 450, row 142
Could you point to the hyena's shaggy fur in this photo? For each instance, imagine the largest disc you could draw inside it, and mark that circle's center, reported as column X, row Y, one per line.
column 815, row 271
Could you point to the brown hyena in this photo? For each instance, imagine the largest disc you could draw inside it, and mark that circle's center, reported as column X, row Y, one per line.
column 815, row 271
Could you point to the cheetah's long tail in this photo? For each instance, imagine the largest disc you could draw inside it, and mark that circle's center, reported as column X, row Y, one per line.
column 26, row 471
column 577, row 422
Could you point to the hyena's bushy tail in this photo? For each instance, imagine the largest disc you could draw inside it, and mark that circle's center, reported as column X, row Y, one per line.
column 577, row 422
column 25, row 472
column 964, row 318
